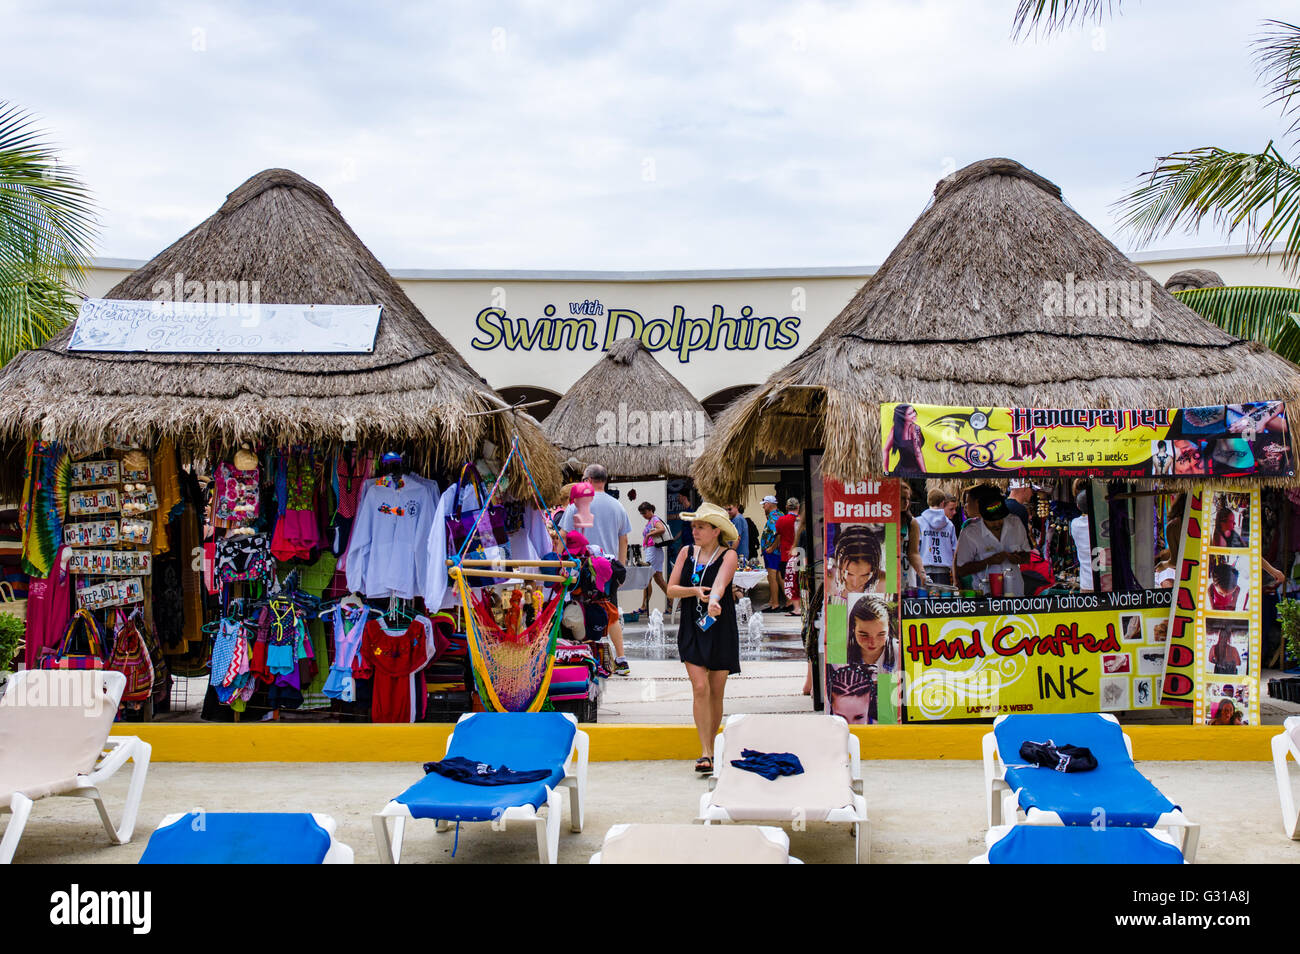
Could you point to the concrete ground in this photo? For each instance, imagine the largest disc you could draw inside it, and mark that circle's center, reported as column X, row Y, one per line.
column 921, row 811
column 928, row 812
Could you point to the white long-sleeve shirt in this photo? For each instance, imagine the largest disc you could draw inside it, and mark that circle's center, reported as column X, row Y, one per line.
column 388, row 550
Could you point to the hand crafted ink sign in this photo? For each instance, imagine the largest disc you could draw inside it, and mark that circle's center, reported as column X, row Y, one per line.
column 967, row 658
column 589, row 326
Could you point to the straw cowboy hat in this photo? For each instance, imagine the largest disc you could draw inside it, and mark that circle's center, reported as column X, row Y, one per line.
column 715, row 515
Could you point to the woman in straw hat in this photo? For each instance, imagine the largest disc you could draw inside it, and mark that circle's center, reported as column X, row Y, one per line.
column 708, row 641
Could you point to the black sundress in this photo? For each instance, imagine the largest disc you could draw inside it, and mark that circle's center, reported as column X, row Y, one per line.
column 718, row 647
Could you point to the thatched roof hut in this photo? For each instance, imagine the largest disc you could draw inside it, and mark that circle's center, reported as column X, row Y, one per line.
column 282, row 232
column 1193, row 278
column 960, row 314
column 629, row 414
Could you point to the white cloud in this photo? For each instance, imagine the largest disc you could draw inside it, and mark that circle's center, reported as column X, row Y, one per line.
column 652, row 135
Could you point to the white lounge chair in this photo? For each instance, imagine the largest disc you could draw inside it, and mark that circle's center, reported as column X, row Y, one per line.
column 1287, row 743
column 695, row 845
column 246, row 838
column 520, row 740
column 829, row 790
column 1113, row 795
column 54, row 740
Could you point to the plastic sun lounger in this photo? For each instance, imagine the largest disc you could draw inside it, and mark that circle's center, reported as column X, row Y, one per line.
column 520, row 740
column 245, row 838
column 1284, row 744
column 695, row 845
column 1077, row 845
column 1113, row 795
column 54, row 740
column 829, row 790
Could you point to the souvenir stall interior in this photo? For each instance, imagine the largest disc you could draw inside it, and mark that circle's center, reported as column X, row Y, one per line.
column 257, row 583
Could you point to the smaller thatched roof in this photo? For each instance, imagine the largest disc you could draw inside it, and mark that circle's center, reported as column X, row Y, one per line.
column 1193, row 278
column 630, row 415
column 967, row 311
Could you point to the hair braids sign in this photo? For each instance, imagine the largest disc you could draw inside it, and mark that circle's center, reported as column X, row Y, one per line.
column 863, row 671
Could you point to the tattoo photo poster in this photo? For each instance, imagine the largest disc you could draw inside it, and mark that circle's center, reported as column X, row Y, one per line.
column 1228, row 619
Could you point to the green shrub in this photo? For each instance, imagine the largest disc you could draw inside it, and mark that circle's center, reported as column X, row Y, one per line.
column 1288, row 614
column 11, row 634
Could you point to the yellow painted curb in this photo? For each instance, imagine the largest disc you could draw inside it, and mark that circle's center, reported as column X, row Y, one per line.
column 615, row 743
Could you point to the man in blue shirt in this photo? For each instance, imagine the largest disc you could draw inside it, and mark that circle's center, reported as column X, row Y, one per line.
column 742, row 530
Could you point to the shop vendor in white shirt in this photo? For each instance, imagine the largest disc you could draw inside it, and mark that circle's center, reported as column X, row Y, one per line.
column 995, row 544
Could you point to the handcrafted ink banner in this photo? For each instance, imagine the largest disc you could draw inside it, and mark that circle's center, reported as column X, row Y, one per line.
column 1227, row 440
column 1086, row 652
column 863, row 672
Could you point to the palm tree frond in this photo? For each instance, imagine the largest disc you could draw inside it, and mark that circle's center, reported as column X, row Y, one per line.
column 1270, row 316
column 1053, row 15
column 47, row 232
column 1277, row 57
column 1256, row 192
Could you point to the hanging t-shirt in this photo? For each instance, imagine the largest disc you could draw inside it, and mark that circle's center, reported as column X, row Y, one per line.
column 388, row 551
column 49, row 607
column 1083, row 549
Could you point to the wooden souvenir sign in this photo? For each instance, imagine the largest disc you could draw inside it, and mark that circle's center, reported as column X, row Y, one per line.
column 140, row 476
column 111, row 563
column 139, row 501
column 136, row 531
column 98, row 533
column 90, row 473
column 87, row 502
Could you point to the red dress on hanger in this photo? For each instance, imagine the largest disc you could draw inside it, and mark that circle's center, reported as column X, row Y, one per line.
column 396, row 662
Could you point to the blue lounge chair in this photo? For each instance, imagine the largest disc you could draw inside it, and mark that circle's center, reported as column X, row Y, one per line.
column 1076, row 845
column 522, row 741
column 245, row 838
column 1113, row 795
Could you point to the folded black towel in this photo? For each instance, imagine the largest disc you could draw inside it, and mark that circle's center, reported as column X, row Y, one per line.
column 1062, row 758
column 480, row 773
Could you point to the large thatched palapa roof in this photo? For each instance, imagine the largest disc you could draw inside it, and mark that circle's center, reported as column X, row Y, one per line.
column 284, row 233
column 629, row 414
column 956, row 315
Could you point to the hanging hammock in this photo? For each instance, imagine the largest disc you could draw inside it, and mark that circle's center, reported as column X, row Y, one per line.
column 512, row 671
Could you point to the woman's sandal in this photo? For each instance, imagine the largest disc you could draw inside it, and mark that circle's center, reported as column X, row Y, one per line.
column 704, row 764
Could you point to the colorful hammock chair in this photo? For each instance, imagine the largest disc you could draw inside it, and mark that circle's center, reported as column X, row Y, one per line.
column 511, row 670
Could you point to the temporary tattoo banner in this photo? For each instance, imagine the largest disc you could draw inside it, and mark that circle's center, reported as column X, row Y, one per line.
column 863, row 681
column 1179, row 684
column 1228, row 630
column 1227, row 440
column 1087, row 652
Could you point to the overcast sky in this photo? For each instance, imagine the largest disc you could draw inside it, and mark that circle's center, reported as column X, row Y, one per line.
column 551, row 134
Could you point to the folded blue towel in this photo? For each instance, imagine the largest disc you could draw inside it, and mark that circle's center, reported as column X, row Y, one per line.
column 770, row 765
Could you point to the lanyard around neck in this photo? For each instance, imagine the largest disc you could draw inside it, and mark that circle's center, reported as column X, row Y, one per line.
column 699, row 572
